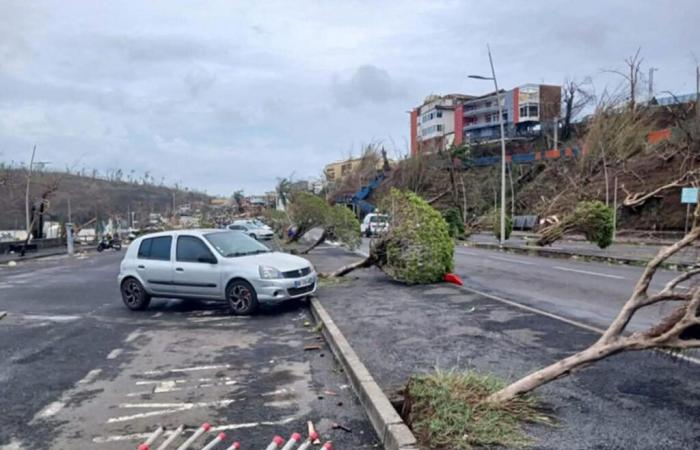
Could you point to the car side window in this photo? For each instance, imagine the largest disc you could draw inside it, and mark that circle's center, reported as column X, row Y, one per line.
column 237, row 228
column 155, row 248
column 190, row 249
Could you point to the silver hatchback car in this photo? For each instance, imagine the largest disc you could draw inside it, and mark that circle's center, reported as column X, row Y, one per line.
column 211, row 264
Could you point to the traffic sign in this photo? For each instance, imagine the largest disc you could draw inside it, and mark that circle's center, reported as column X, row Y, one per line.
column 689, row 195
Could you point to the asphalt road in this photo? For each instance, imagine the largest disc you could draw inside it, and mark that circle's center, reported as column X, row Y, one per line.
column 634, row 400
column 589, row 292
column 78, row 370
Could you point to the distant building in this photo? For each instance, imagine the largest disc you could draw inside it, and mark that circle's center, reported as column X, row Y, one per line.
column 335, row 171
column 441, row 122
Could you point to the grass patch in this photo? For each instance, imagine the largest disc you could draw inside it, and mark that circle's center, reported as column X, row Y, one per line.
column 446, row 410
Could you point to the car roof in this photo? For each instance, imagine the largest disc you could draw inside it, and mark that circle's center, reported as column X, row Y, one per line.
column 189, row 232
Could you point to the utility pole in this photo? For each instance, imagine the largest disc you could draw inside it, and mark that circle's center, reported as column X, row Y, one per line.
column 651, row 82
column 26, row 194
column 69, row 212
column 697, row 91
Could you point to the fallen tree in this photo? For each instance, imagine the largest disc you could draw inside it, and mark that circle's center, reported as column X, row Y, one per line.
column 339, row 223
column 417, row 248
column 678, row 331
column 306, row 211
column 593, row 219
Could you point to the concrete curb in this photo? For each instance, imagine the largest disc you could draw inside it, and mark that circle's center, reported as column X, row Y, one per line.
column 63, row 251
column 565, row 254
column 393, row 433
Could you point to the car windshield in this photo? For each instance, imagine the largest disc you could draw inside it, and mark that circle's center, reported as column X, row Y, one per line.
column 235, row 243
column 379, row 219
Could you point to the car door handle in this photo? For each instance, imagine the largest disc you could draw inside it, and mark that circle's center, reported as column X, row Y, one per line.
column 179, row 269
column 140, row 267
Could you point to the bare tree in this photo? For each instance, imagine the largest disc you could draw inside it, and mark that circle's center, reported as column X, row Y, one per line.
column 679, row 330
column 577, row 95
column 632, row 75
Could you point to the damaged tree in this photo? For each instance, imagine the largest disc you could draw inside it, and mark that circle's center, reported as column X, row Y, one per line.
column 593, row 219
column 339, row 223
column 417, row 248
column 679, row 330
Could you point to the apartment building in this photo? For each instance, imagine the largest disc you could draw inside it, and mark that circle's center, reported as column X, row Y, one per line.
column 454, row 119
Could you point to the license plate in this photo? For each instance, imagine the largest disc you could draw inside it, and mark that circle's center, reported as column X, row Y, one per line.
column 303, row 283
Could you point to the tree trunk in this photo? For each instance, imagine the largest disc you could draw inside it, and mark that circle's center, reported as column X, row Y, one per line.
column 367, row 262
column 552, row 372
column 320, row 241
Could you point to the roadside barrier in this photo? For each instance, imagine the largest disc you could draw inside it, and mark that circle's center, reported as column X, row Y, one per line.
column 277, row 443
column 215, row 441
column 200, row 431
column 292, row 442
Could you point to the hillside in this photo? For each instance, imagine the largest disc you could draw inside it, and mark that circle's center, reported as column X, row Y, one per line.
column 88, row 197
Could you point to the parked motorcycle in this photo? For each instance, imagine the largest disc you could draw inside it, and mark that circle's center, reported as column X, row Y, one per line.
column 107, row 243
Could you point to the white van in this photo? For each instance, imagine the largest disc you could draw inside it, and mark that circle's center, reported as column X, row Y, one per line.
column 374, row 224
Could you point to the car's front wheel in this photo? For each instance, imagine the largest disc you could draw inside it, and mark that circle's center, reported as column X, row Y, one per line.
column 134, row 295
column 241, row 297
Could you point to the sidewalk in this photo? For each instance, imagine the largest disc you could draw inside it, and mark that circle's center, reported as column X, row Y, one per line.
column 42, row 253
column 634, row 400
column 623, row 253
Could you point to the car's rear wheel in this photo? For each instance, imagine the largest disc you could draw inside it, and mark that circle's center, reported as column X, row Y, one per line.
column 241, row 297
column 134, row 295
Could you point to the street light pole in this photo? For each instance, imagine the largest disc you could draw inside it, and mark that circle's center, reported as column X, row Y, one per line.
column 503, row 152
column 503, row 144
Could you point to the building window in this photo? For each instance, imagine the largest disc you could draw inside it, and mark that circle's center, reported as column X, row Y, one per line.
column 345, row 169
column 439, row 114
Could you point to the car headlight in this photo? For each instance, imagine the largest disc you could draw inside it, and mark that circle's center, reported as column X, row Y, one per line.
column 268, row 273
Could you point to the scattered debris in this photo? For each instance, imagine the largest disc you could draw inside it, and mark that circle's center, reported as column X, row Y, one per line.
column 312, row 347
column 328, row 392
column 337, row 426
column 318, row 327
column 307, row 323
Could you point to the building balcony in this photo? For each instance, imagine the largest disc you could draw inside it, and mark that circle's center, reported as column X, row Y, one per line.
column 481, row 110
column 479, row 125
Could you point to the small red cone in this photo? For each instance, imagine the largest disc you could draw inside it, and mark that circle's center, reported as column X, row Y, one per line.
column 454, row 279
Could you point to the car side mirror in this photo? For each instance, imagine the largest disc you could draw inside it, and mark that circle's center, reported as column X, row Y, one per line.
column 207, row 259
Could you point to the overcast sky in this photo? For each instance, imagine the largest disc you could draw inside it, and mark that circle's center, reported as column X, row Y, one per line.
column 225, row 95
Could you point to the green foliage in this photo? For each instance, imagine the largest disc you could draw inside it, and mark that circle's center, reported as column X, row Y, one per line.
column 496, row 224
column 595, row 221
column 453, row 217
column 592, row 218
column 417, row 249
column 447, row 410
column 277, row 220
column 340, row 223
column 307, row 211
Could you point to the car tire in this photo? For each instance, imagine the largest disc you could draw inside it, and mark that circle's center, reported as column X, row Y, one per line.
column 134, row 295
column 100, row 248
column 241, row 297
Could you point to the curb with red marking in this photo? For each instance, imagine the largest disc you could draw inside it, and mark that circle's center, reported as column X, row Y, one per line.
column 293, row 440
column 307, row 443
column 200, row 431
column 214, row 442
column 235, row 446
column 327, row 446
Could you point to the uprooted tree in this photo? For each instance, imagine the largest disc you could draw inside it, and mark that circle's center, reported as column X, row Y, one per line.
column 306, row 211
column 338, row 223
column 592, row 218
column 417, row 248
column 678, row 331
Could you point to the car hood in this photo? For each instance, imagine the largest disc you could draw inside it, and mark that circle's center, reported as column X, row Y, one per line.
column 280, row 261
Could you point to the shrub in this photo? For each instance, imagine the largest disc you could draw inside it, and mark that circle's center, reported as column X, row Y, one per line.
column 496, row 224
column 454, row 222
column 340, row 223
column 417, row 249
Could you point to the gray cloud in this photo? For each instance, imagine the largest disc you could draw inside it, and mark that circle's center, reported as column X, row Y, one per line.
column 368, row 84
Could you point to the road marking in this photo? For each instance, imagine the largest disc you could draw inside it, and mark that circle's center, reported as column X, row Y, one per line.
column 598, row 274
column 233, row 426
column 90, row 377
column 517, row 261
column 53, row 318
column 188, row 369
column 142, row 382
column 133, row 335
column 115, row 353
column 176, row 407
column 158, row 314
column 569, row 321
column 51, row 409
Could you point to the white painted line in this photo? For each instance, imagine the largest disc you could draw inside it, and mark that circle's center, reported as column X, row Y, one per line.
column 115, row 353
column 516, row 261
column 52, row 318
column 188, row 369
column 90, row 377
column 157, row 315
column 133, row 335
column 237, row 426
column 142, row 382
column 51, row 409
column 565, row 320
column 162, row 412
column 597, row 274
column 139, row 394
column 277, row 392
